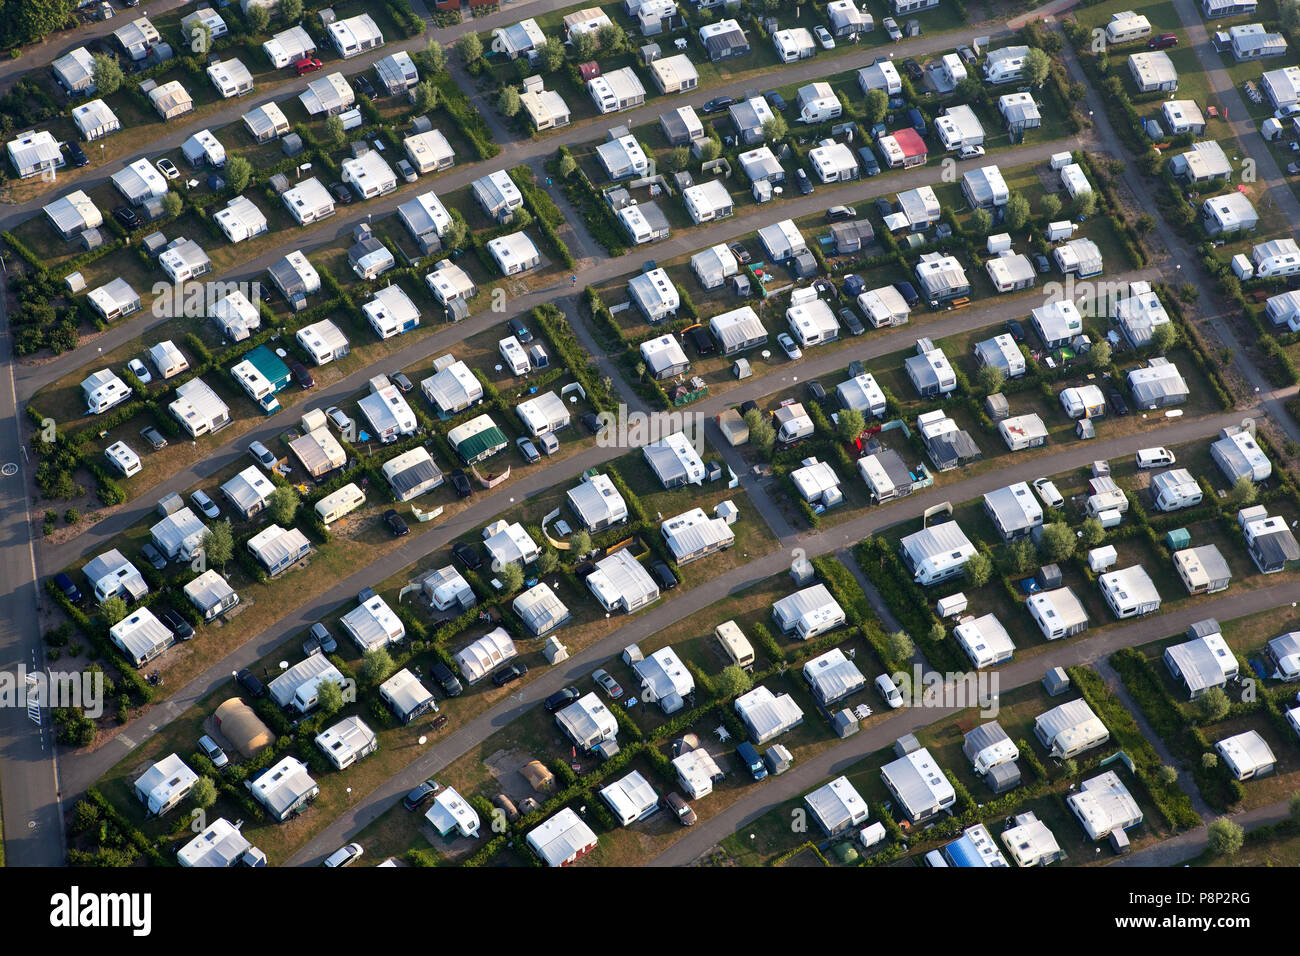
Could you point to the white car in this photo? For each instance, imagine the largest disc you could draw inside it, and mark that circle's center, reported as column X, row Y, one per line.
column 168, row 168
column 789, row 347
column 1155, row 457
column 340, row 420
column 139, row 370
column 889, row 691
column 1291, row 109
column 970, row 152
column 205, row 504
column 1047, row 491
column 824, row 38
column 344, row 855
column 891, row 27
column 262, row 455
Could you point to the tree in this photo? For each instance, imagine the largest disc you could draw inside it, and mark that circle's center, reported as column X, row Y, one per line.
column 761, row 434
column 107, row 73
column 1244, row 492
column 426, row 98
column 291, row 10
column 172, row 203
column 710, row 150
column 200, row 37
column 1057, row 542
column 376, row 666
column 775, row 129
column 456, row 233
column 1209, row 760
column 979, row 569
column 547, row 561
column 1290, row 11
column 1050, row 206
column 329, row 696
column 981, row 222
column 1093, row 533
column 1037, row 65
column 1167, row 775
column 732, row 681
column 1100, row 356
column 877, row 106
column 436, row 57
column 259, row 18
column 1163, row 337
column 1017, row 211
column 283, row 504
column 508, row 101
column 1069, row 768
column 579, row 543
column 219, row 542
column 1024, row 557
column 900, row 646
column 239, row 171
column 990, row 378
column 550, row 55
column 113, row 609
column 512, row 578
column 1214, row 704
column 679, row 158
column 470, row 47
column 850, row 426
column 1226, row 837
column 1084, row 204
column 568, row 165
column 585, row 46
column 612, row 39
column 204, row 792
column 85, row 817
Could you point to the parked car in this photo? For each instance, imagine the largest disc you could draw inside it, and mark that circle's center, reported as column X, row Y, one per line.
column 153, row 555
column 401, row 381
column 663, row 575
column 717, row 105
column 740, row 252
column 248, row 680
column 749, row 756
column 1292, row 168
column 791, row 350
column 1163, row 42
column 1047, row 490
column 67, row 588
column 841, row 213
column 889, row 691
column 341, row 193
column 446, row 679
column 127, row 217
column 970, row 152
column 323, row 638
column 803, row 182
column 528, row 450
column 363, row 85
column 419, row 796
column 678, row 808
column 884, row 207
column 913, row 70
column 460, row 483
column 396, row 524
column 510, row 672
column 301, row 374
column 815, row 391
column 344, row 855
column 307, row 65
column 908, row 293
column 867, row 159
column 154, row 437
column 261, row 454
column 213, row 752
column 853, row 285
column 76, row 155
column 339, row 419
column 175, row 623
column 1155, row 458
column 561, row 699
column 891, row 27
column 590, row 421
column 1015, row 330
column 967, row 55
column 406, row 171
column 520, row 331
column 168, row 168
column 1041, row 263
column 607, row 683
column 466, row 556
column 205, row 504
column 824, row 37
column 1115, row 401
column 139, row 370
column 852, row 322
column 775, row 100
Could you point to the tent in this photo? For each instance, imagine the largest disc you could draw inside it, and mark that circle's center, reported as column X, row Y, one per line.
column 243, row 728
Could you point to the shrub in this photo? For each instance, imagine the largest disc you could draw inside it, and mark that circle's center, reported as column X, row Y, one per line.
column 1225, row 837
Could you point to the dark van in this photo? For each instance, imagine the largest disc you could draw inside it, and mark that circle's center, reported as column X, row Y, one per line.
column 907, row 292
column 70, row 591
column 752, row 761
column 917, row 121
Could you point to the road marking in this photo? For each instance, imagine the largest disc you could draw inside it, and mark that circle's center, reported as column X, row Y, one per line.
column 9, row 469
column 126, row 741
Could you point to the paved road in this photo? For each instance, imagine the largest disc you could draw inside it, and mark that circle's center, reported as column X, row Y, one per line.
column 32, row 377
column 1192, row 843
column 697, row 599
column 842, row 756
column 33, row 817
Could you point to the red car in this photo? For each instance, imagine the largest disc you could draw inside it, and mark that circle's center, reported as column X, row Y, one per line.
column 306, row 65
